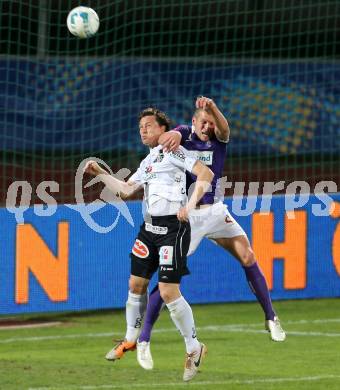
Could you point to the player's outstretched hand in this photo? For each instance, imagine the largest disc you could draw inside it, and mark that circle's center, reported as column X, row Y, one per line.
column 183, row 214
column 170, row 141
column 93, row 168
column 205, row 103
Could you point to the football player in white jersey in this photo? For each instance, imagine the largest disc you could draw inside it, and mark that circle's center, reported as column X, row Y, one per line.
column 163, row 240
column 207, row 139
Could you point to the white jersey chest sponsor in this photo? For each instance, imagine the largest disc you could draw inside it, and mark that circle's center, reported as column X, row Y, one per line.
column 163, row 179
column 163, row 172
column 158, row 170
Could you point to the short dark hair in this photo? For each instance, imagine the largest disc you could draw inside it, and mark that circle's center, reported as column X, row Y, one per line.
column 198, row 111
column 161, row 118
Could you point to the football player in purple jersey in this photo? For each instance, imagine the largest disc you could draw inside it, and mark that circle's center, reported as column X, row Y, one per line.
column 207, row 138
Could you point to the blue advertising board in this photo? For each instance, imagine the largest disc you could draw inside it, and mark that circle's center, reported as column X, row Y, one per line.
column 59, row 263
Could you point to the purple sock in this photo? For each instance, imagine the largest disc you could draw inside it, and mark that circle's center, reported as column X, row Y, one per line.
column 152, row 312
column 258, row 285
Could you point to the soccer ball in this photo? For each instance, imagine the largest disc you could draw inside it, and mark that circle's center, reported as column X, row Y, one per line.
column 83, row 22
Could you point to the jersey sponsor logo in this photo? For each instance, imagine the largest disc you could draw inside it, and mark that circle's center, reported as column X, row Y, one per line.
column 178, row 154
column 165, row 268
column 165, row 255
column 178, row 178
column 140, row 249
column 206, row 157
column 150, row 176
column 156, row 229
column 159, row 157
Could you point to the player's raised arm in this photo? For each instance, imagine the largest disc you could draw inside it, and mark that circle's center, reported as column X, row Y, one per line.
column 222, row 130
column 124, row 189
column 202, row 185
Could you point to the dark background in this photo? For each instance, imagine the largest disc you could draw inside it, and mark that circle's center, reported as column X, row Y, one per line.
column 187, row 28
column 228, row 32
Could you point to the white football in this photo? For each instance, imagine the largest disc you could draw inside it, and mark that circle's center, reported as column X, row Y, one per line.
column 83, row 22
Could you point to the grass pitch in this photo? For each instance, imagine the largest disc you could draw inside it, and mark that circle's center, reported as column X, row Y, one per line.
column 70, row 356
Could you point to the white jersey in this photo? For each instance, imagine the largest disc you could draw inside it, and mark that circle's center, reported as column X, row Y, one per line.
column 164, row 180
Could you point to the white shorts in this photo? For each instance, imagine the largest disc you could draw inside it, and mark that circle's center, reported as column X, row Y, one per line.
column 213, row 221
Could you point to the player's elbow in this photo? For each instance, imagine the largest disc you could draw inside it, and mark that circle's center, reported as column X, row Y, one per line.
column 203, row 173
column 210, row 175
column 224, row 136
column 124, row 196
column 207, row 175
column 127, row 193
column 128, row 189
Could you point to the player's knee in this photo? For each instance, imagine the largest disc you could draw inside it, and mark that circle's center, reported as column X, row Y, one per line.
column 137, row 286
column 165, row 296
column 168, row 292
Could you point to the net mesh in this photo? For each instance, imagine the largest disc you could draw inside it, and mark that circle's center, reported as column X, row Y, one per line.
column 272, row 66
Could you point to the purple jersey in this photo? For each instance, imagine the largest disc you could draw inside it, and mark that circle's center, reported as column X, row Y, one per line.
column 211, row 153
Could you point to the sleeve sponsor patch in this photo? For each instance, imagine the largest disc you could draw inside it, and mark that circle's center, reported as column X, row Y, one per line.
column 140, row 249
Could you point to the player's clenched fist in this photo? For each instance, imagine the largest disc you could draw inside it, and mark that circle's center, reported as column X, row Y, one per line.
column 205, row 103
column 93, row 168
column 183, row 214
